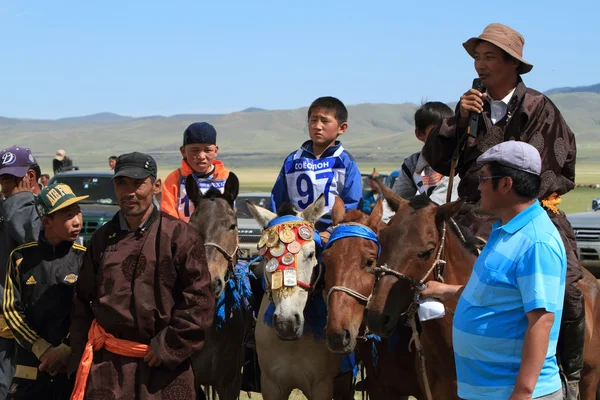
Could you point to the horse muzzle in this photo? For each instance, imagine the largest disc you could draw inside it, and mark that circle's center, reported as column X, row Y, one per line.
column 288, row 327
column 341, row 342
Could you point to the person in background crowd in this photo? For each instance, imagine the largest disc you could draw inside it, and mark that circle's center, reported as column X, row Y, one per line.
column 61, row 161
column 35, row 189
column 19, row 224
column 44, row 180
column 371, row 197
column 112, row 161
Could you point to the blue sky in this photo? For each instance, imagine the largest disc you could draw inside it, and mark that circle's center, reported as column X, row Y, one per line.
column 67, row 58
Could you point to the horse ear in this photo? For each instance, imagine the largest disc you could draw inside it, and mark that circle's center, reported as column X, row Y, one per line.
column 192, row 190
column 338, row 211
column 232, row 188
column 313, row 212
column 260, row 214
column 448, row 210
column 393, row 200
column 376, row 214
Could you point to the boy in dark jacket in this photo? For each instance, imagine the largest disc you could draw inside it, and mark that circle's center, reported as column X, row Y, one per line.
column 38, row 293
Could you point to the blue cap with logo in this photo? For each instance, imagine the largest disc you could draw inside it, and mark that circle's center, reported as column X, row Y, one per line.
column 200, row 132
column 16, row 161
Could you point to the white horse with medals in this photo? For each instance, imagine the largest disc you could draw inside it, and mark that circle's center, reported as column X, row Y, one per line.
column 290, row 358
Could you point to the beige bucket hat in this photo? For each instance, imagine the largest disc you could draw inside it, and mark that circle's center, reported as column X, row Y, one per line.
column 505, row 38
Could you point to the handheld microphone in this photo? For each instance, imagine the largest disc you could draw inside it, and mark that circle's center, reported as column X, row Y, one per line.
column 473, row 116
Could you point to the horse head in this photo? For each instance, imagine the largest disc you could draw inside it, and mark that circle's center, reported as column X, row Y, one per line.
column 351, row 251
column 215, row 220
column 288, row 244
column 411, row 248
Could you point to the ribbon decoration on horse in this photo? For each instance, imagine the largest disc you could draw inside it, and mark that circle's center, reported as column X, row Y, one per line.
column 282, row 240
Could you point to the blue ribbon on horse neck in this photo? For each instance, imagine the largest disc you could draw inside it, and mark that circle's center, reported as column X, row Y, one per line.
column 361, row 231
column 283, row 219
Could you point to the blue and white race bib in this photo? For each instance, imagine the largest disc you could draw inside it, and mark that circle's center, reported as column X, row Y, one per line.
column 185, row 207
column 307, row 179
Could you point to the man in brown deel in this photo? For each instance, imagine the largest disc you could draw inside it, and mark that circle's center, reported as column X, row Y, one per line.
column 143, row 294
column 508, row 110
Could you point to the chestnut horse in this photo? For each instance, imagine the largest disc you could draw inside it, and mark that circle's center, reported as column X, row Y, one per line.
column 353, row 249
column 420, row 235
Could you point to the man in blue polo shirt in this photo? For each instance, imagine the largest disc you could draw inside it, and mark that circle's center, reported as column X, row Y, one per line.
column 507, row 320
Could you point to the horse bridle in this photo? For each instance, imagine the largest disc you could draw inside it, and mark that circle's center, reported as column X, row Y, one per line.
column 231, row 258
column 438, row 263
column 351, row 292
column 418, row 287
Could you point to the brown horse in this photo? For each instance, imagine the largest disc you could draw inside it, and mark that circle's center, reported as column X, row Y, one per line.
column 219, row 363
column 410, row 246
column 348, row 285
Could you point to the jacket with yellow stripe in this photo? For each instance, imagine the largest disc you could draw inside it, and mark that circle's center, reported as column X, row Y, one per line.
column 38, row 291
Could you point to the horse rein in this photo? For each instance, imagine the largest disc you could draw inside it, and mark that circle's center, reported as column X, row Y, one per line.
column 418, row 288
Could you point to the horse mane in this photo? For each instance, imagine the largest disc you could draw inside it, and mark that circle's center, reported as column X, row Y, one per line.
column 286, row 209
column 420, row 201
column 472, row 243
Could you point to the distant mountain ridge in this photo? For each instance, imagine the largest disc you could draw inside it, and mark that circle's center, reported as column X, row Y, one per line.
column 256, row 137
column 578, row 89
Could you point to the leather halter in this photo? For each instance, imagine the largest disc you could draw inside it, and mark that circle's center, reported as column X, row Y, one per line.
column 231, row 258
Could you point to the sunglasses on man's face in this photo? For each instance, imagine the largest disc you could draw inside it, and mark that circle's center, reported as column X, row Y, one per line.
column 485, row 178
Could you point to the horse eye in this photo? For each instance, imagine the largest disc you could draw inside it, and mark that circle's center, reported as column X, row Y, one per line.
column 426, row 254
column 232, row 227
column 311, row 255
column 370, row 262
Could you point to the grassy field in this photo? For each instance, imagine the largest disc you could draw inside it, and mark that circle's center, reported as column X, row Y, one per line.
column 262, row 179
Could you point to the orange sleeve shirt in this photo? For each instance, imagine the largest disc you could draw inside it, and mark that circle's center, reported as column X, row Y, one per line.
column 175, row 201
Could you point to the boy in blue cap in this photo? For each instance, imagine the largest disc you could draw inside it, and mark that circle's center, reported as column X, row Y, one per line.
column 321, row 165
column 199, row 153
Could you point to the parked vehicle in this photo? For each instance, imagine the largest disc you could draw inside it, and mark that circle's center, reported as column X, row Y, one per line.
column 587, row 231
column 249, row 232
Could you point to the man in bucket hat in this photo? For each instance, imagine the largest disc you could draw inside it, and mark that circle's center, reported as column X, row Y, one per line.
column 508, row 110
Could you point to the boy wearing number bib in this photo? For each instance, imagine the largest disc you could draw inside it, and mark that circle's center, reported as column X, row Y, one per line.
column 321, row 165
column 199, row 153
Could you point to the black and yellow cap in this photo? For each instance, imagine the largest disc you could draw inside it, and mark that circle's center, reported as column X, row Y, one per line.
column 55, row 197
